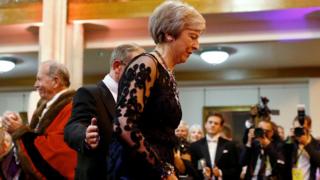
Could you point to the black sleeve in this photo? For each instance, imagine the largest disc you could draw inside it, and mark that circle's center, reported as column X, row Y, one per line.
column 83, row 110
column 245, row 155
column 134, row 89
column 195, row 157
column 232, row 168
column 313, row 149
column 275, row 151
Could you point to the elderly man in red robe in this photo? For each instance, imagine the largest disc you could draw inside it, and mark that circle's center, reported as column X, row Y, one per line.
column 40, row 150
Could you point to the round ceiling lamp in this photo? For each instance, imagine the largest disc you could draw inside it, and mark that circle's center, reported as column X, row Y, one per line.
column 214, row 56
column 6, row 64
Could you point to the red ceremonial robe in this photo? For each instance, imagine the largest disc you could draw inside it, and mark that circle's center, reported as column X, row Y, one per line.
column 42, row 152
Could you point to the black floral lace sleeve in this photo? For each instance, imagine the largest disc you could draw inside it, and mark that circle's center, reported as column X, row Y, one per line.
column 134, row 89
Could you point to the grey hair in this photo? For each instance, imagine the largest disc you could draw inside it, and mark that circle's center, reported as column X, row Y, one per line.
column 195, row 127
column 123, row 53
column 171, row 18
column 184, row 124
column 60, row 70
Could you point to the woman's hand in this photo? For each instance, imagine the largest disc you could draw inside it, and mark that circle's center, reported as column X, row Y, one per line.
column 178, row 161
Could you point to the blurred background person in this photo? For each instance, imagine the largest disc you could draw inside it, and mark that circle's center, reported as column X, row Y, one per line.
column 7, row 160
column 281, row 133
column 263, row 153
column 182, row 130
column 182, row 157
column 195, row 133
column 226, row 132
column 214, row 155
column 303, row 151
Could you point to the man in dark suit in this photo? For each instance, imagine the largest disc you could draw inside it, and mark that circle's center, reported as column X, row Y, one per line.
column 302, row 151
column 213, row 155
column 263, row 153
column 89, row 129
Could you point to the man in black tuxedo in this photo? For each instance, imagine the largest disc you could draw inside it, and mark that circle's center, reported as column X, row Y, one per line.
column 213, row 155
column 89, row 129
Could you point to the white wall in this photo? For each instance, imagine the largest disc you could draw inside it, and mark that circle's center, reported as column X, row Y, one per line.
column 192, row 101
column 282, row 97
column 14, row 101
column 314, row 98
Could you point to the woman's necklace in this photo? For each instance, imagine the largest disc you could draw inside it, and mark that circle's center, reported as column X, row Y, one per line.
column 172, row 79
column 162, row 60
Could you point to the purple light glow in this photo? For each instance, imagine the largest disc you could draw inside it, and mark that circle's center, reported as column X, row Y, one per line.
column 280, row 15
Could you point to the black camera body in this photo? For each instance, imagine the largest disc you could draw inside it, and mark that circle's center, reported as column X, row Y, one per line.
column 263, row 109
column 299, row 131
column 259, row 133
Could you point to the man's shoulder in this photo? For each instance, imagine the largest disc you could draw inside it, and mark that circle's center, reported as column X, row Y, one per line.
column 199, row 142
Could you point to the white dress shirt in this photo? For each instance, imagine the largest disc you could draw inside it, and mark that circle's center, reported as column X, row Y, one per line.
column 112, row 85
column 303, row 162
column 212, row 146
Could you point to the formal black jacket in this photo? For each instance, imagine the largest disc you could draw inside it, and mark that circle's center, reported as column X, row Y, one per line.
column 274, row 151
column 313, row 149
column 91, row 102
column 226, row 159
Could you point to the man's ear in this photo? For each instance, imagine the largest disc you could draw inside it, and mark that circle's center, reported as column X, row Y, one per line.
column 55, row 81
column 116, row 66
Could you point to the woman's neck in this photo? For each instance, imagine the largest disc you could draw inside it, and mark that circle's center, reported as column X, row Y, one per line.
column 167, row 56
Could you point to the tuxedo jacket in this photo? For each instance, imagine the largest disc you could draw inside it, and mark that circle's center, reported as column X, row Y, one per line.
column 91, row 102
column 226, row 159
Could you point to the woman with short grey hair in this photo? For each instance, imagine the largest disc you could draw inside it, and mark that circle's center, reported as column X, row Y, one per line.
column 148, row 109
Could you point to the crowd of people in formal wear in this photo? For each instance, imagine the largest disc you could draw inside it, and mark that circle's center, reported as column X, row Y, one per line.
column 129, row 126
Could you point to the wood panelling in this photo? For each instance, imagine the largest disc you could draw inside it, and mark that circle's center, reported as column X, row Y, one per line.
column 102, row 9
column 19, row 13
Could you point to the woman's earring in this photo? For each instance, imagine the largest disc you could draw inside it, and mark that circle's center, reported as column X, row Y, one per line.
column 169, row 38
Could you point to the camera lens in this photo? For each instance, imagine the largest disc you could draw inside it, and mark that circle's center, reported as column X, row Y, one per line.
column 299, row 131
column 258, row 133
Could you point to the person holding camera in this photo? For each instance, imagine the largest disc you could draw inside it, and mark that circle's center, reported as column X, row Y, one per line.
column 302, row 151
column 263, row 153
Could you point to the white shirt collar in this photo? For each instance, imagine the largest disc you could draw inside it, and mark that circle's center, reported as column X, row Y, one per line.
column 112, row 85
column 212, row 139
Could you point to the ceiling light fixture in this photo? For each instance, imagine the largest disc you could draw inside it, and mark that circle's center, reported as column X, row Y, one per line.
column 216, row 55
column 6, row 65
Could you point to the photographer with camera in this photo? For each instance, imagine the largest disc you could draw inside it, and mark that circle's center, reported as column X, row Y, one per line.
column 263, row 153
column 302, row 149
column 258, row 112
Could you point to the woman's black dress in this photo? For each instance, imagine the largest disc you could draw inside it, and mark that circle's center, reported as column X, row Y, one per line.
column 148, row 111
